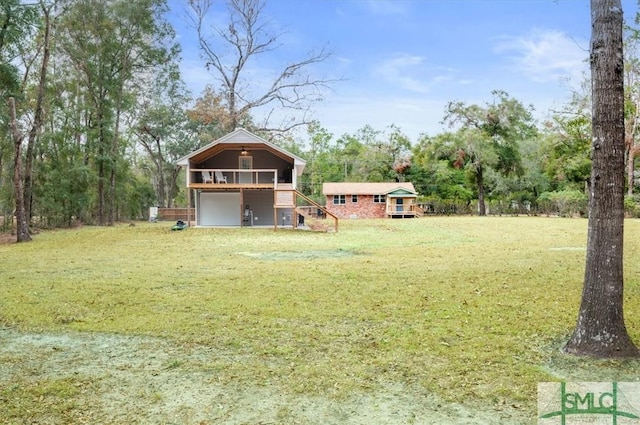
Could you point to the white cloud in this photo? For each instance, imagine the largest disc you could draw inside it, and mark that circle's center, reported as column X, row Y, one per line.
column 545, row 56
column 404, row 71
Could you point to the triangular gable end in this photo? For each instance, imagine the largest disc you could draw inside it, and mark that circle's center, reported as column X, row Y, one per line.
column 400, row 192
column 244, row 137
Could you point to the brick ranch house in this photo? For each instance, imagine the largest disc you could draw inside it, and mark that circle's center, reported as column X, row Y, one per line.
column 371, row 200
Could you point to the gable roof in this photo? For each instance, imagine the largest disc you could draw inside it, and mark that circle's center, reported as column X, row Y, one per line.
column 401, row 192
column 237, row 139
column 405, row 188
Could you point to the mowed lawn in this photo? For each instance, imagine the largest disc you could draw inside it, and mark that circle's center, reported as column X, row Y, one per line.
column 473, row 309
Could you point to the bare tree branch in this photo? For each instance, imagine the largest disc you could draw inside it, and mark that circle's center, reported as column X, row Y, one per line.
column 229, row 52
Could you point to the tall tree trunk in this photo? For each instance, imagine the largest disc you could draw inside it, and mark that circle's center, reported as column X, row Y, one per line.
column 482, row 209
column 101, row 171
column 113, row 216
column 162, row 190
column 173, row 186
column 22, row 224
column 159, row 160
column 600, row 330
column 111, row 197
column 631, row 156
column 38, row 117
column 233, row 114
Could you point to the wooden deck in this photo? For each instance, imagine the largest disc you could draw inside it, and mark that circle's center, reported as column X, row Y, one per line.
column 223, row 187
column 232, row 179
column 410, row 211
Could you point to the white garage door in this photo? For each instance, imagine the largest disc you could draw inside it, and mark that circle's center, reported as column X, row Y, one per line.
column 219, row 209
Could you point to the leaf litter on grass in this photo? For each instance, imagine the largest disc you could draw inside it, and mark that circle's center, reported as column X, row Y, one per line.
column 462, row 308
column 137, row 379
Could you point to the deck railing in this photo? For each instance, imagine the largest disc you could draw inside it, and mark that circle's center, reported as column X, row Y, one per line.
column 409, row 209
column 317, row 216
column 314, row 216
column 216, row 176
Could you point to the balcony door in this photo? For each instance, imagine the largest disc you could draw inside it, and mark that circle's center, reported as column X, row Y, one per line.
column 245, row 163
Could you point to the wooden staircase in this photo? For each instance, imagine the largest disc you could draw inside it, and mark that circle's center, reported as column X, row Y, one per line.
column 419, row 212
column 316, row 216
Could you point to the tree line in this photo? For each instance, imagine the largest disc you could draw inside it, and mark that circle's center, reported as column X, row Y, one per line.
column 95, row 113
column 494, row 158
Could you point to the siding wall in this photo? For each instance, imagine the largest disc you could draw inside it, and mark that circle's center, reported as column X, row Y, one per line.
column 261, row 203
column 364, row 208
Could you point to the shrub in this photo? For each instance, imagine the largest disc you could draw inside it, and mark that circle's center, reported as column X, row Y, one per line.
column 439, row 206
column 565, row 203
column 632, row 206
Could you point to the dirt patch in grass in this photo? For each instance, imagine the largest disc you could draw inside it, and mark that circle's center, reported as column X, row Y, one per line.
column 6, row 238
column 105, row 378
column 298, row 255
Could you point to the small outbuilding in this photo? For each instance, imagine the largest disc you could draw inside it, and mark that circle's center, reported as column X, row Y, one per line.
column 372, row 200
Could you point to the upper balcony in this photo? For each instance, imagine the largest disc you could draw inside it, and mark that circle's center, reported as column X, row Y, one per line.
column 233, row 178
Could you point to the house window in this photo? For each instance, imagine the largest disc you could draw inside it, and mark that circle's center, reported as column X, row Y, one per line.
column 245, row 163
column 379, row 199
column 339, row 200
column 354, row 199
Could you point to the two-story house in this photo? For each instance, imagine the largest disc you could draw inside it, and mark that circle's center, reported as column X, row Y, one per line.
column 244, row 180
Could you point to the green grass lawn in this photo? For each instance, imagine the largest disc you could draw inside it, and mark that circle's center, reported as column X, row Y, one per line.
column 473, row 309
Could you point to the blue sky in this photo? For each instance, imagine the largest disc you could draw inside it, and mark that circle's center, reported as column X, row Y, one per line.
column 401, row 61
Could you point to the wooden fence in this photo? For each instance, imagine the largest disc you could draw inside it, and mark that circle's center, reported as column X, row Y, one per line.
column 175, row 214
